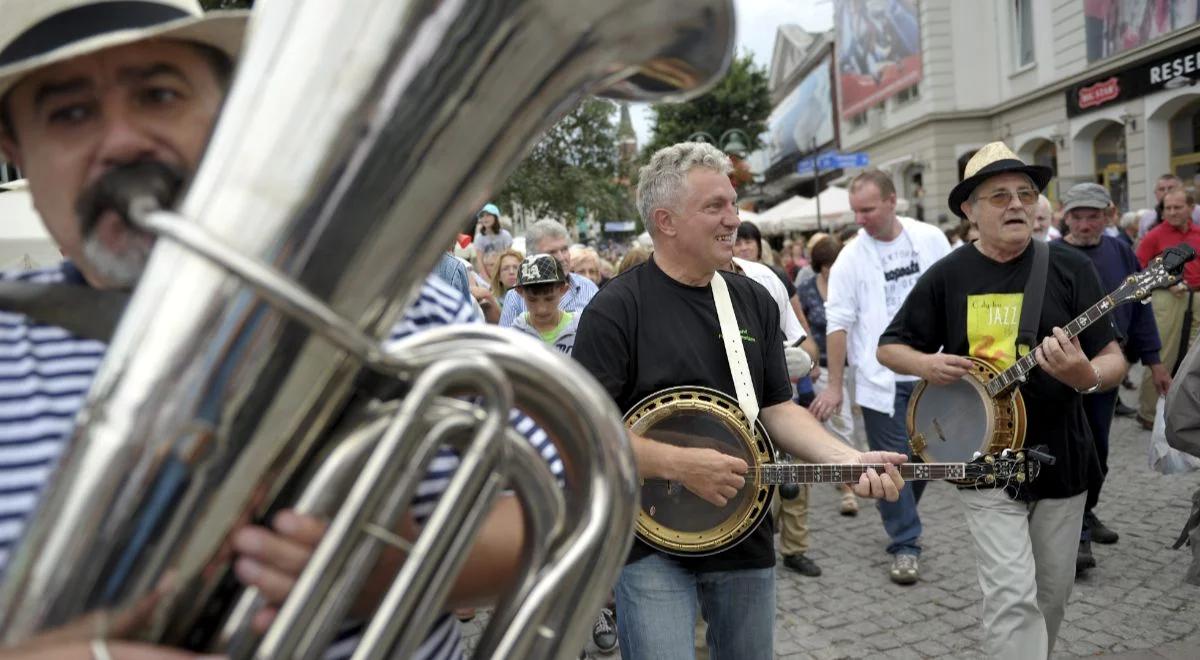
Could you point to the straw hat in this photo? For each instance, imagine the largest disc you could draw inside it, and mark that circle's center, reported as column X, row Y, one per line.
column 992, row 159
column 34, row 34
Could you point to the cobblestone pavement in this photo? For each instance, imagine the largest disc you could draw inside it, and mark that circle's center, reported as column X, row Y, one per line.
column 1134, row 604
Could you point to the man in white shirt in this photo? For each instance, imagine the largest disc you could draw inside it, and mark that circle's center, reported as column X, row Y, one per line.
column 869, row 281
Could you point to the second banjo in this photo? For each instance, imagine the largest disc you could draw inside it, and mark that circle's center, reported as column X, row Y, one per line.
column 983, row 411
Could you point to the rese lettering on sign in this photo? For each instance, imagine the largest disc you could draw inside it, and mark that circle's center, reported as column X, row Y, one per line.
column 1176, row 67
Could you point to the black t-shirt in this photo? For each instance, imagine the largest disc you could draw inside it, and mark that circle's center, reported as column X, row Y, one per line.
column 645, row 332
column 971, row 305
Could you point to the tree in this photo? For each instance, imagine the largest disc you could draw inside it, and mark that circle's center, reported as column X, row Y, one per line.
column 574, row 166
column 741, row 100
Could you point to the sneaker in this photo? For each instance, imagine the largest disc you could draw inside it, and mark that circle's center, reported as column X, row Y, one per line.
column 849, row 504
column 1123, row 410
column 604, row 632
column 1084, row 559
column 801, row 564
column 1100, row 533
column 905, row 569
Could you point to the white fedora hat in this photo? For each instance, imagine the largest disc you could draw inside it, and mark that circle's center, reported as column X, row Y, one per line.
column 36, row 33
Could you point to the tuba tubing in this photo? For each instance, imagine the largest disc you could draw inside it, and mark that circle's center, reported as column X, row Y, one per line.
column 350, row 145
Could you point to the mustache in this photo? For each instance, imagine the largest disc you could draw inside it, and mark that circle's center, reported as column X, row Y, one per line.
column 118, row 187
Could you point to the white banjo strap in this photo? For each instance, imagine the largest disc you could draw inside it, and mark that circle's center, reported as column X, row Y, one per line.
column 734, row 350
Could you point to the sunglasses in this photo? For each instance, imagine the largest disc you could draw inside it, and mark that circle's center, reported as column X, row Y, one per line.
column 1002, row 198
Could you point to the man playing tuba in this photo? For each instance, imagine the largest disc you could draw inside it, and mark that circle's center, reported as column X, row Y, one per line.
column 93, row 91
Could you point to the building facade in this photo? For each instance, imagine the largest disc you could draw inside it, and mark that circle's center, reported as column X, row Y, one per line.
column 1100, row 90
column 804, row 114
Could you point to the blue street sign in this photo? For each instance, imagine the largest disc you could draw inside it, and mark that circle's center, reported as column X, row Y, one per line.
column 805, row 165
column 835, row 161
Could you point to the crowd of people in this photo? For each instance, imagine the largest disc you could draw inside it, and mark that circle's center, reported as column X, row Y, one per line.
column 838, row 325
column 862, row 301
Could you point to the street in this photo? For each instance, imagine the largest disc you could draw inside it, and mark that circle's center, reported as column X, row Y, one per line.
column 1134, row 604
column 1134, row 599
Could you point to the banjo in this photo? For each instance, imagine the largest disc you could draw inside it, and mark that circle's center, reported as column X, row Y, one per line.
column 676, row 521
column 983, row 411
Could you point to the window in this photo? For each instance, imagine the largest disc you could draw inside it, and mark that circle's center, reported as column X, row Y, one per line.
column 858, row 121
column 1023, row 32
column 906, row 95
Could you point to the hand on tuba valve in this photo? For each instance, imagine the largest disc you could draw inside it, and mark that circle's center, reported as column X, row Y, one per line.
column 233, row 385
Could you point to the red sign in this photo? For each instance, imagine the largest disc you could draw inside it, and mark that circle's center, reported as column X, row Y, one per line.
column 1099, row 93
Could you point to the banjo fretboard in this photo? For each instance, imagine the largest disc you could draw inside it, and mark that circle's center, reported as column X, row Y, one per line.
column 1016, row 373
column 804, row 473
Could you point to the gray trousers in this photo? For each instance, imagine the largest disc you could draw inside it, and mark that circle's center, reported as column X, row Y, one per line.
column 1025, row 554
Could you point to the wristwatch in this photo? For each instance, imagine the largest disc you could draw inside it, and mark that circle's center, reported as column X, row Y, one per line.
column 1095, row 387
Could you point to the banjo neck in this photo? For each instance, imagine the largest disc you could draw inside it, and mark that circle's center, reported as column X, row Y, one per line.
column 775, row 474
column 1015, row 374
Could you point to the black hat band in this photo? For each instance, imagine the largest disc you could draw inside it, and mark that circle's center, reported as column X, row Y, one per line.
column 79, row 23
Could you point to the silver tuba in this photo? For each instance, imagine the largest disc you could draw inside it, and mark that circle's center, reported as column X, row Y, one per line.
column 355, row 137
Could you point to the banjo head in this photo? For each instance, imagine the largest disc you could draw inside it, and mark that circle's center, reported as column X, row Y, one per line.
column 951, row 423
column 671, row 517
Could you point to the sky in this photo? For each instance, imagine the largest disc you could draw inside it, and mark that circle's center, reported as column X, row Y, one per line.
column 756, row 24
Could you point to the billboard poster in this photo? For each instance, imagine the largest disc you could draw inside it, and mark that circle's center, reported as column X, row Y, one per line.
column 1115, row 26
column 878, row 51
column 805, row 114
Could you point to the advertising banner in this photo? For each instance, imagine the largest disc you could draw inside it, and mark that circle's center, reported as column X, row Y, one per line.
column 878, row 51
column 804, row 115
column 1115, row 26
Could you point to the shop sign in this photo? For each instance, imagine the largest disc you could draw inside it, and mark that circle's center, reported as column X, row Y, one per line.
column 1179, row 68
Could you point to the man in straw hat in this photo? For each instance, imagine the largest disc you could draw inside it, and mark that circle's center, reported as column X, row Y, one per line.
column 93, row 91
column 969, row 303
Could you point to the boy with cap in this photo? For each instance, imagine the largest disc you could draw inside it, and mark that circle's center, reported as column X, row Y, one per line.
column 969, row 303
column 542, row 283
column 1086, row 208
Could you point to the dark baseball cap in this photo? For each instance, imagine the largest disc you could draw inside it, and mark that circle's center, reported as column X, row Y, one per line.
column 1086, row 196
column 540, row 269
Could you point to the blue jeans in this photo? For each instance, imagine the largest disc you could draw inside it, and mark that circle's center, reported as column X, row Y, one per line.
column 900, row 518
column 656, row 611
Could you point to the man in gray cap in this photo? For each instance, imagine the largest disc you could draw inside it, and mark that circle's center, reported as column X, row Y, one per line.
column 1086, row 209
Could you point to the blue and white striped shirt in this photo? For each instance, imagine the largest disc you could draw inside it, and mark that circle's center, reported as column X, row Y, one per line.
column 45, row 373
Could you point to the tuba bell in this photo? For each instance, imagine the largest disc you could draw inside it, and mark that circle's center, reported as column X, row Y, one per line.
column 250, row 357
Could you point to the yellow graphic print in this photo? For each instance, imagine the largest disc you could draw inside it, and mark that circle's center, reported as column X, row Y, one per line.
column 992, row 323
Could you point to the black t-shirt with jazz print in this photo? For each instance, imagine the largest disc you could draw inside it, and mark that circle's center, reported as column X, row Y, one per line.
column 646, row 332
column 971, row 305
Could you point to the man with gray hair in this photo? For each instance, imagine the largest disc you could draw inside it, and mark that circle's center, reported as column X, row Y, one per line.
column 655, row 326
column 1043, row 227
column 550, row 237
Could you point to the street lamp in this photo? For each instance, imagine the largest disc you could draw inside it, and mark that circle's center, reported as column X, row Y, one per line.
column 734, row 141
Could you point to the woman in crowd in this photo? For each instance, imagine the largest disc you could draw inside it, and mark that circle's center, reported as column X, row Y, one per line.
column 505, row 275
column 812, row 294
column 636, row 255
column 586, row 263
column 490, row 237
